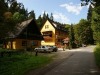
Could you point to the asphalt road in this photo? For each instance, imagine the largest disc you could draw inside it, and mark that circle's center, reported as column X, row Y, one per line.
column 80, row 63
column 71, row 62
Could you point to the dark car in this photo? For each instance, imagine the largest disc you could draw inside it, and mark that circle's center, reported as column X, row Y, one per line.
column 54, row 48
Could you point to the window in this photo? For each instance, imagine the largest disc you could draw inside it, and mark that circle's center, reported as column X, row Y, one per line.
column 24, row 43
column 43, row 46
column 59, row 40
column 59, row 32
column 46, row 26
column 34, row 43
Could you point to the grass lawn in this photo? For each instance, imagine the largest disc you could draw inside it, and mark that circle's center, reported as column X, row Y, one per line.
column 97, row 55
column 18, row 64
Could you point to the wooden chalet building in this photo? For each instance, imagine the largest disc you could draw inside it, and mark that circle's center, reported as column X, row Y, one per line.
column 26, row 35
column 53, row 33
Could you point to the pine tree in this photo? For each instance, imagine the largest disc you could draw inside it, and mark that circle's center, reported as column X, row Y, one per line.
column 39, row 21
column 51, row 17
column 89, row 28
column 44, row 16
column 32, row 15
column 7, row 14
column 96, row 21
column 89, row 14
column 71, row 36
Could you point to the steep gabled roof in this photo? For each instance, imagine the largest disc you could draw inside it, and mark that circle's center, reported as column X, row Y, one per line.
column 21, row 26
column 57, row 26
column 27, row 29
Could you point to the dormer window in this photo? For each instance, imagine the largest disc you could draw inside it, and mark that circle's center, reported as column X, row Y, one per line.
column 46, row 26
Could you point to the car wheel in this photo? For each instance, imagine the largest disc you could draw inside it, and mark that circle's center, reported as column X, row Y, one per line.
column 35, row 50
column 54, row 50
column 45, row 51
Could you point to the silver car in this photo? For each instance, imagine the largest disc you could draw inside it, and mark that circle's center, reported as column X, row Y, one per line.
column 43, row 49
column 54, row 48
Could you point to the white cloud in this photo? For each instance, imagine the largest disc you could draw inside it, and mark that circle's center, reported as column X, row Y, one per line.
column 60, row 18
column 72, row 8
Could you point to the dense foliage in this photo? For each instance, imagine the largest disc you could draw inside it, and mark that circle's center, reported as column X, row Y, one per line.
column 11, row 13
column 94, row 18
column 97, row 55
column 96, row 24
column 71, row 36
column 83, row 32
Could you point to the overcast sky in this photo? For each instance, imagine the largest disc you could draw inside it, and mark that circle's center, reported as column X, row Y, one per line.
column 64, row 11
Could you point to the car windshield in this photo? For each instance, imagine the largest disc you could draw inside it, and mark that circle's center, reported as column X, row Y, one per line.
column 43, row 46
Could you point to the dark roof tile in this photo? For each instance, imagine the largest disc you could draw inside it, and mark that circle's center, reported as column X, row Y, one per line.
column 21, row 28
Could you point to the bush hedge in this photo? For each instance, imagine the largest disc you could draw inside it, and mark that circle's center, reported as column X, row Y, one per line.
column 97, row 54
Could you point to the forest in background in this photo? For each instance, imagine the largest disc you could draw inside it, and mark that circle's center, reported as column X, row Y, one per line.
column 87, row 31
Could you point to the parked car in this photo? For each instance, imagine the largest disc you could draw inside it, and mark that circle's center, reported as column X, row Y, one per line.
column 43, row 49
column 54, row 48
column 83, row 45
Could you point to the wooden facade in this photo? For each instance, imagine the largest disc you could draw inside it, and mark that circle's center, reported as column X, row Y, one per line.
column 53, row 33
column 27, row 35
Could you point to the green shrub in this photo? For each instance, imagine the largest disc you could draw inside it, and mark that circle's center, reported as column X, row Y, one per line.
column 97, row 54
column 21, row 63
